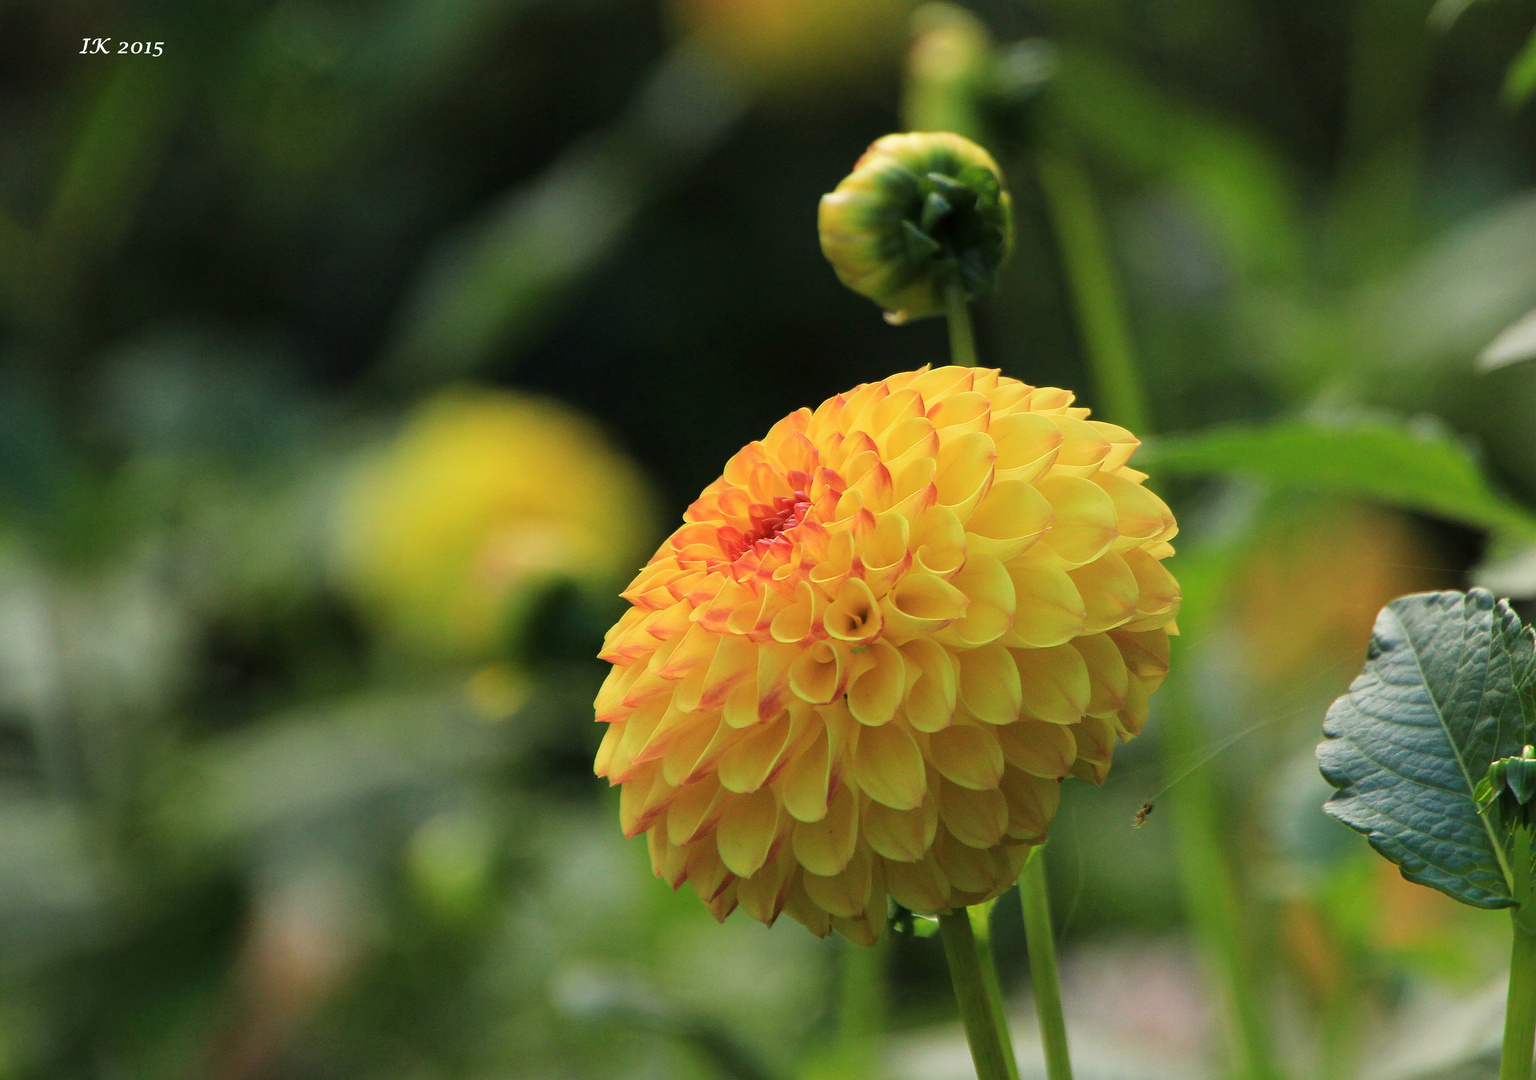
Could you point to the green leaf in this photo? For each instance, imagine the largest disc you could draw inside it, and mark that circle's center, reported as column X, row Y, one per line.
column 1439, row 700
column 1414, row 466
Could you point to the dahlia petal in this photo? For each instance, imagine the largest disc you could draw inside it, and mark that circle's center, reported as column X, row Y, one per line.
column 965, row 471
column 875, row 694
column 1146, row 654
column 735, row 657
column 921, row 603
column 1032, row 803
column 938, row 542
column 866, row 927
column 909, row 440
column 989, row 615
column 794, row 623
column 696, row 749
column 707, row 873
column 1156, row 590
column 637, row 807
column 1040, row 749
column 1108, row 679
column 1143, row 517
column 890, row 414
column 1122, row 444
column 1086, row 521
column 830, row 573
column 938, row 382
column 748, row 827
column 741, row 706
column 888, row 767
column 799, row 906
column 853, row 615
column 1027, row 445
column 817, row 674
column 931, row 697
column 989, row 684
column 977, row 819
column 762, row 895
column 1055, row 683
column 1083, row 450
column 694, row 812
column 1049, row 609
column 1008, row 521
column 902, row 835
column 1133, row 717
column 1051, row 399
column 668, row 861
column 773, row 662
column 915, row 489
column 825, row 847
column 968, row 755
column 673, row 722
column 884, row 553
column 638, row 729
column 960, row 414
column 918, row 886
column 696, row 648
column 611, row 737
column 1108, row 589
column 967, row 868
column 1095, row 748
column 618, row 634
column 750, row 760
column 845, row 893
column 805, row 783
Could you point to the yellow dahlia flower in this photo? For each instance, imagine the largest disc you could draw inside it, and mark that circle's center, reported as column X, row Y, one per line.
column 863, row 665
column 482, row 496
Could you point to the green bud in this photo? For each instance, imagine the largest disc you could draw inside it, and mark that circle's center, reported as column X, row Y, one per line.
column 919, row 213
column 1511, row 783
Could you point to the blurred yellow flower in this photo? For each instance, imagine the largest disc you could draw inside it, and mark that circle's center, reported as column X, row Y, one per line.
column 879, row 642
column 482, row 498
column 796, row 45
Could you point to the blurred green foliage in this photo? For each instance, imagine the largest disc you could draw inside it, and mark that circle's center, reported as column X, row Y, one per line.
column 246, row 831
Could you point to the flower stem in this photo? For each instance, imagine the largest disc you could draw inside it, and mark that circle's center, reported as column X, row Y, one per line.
column 1095, row 289
column 1042, row 966
column 962, row 340
column 1520, row 1010
column 981, row 928
column 977, row 1011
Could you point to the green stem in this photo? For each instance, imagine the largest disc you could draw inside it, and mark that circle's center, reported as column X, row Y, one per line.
column 1095, row 289
column 962, row 340
column 861, row 1008
column 1209, row 885
column 981, row 928
column 1042, row 966
column 1520, row 1011
column 976, row 1010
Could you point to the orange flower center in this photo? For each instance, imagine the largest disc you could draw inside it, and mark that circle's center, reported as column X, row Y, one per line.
column 768, row 524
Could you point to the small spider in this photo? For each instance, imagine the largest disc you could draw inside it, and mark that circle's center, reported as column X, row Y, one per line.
column 1142, row 814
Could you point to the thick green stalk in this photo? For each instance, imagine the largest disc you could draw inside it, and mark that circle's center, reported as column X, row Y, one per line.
column 861, row 1008
column 962, row 340
column 1042, row 966
column 981, row 928
column 1095, row 289
column 982, row 1030
column 1520, row 1010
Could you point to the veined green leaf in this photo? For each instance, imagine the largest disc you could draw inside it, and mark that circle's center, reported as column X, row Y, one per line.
column 1439, row 700
column 1411, row 466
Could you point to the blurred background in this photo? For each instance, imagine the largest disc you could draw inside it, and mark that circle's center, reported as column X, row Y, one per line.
column 353, row 353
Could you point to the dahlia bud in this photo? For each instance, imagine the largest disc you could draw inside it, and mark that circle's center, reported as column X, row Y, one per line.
column 862, row 667
column 919, row 214
column 1511, row 783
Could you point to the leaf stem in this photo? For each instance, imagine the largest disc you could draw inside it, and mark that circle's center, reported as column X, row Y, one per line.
column 1042, row 965
column 981, row 928
column 978, row 1012
column 962, row 339
column 1520, row 1010
column 1095, row 289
